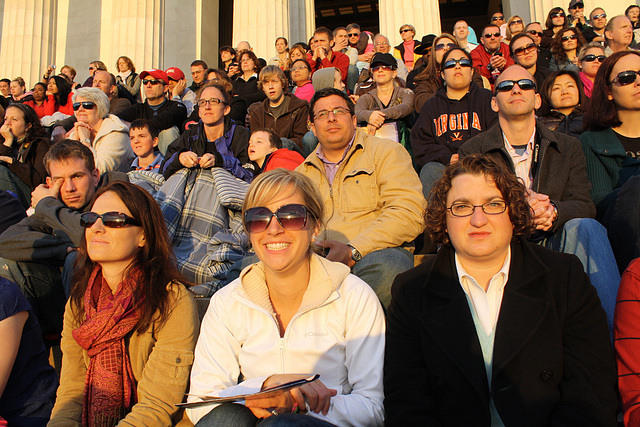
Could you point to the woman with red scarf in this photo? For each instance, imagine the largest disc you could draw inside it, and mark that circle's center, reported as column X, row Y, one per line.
column 130, row 326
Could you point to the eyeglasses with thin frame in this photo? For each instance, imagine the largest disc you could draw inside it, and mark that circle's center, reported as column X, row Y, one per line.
column 490, row 35
column 152, row 82
column 87, row 105
column 525, row 49
column 567, row 38
column 324, row 114
column 451, row 63
column 591, row 57
column 626, row 77
column 291, row 217
column 447, row 46
column 494, row 207
column 109, row 219
column 211, row 101
column 508, row 85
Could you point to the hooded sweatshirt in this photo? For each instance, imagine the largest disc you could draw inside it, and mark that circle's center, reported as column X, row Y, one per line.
column 445, row 124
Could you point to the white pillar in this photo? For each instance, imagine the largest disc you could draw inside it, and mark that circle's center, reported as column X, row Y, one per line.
column 302, row 20
column 260, row 23
column 422, row 14
column 28, row 39
column 540, row 8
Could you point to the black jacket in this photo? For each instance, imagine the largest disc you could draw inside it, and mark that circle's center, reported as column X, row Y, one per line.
column 552, row 359
column 445, row 124
column 570, row 125
column 291, row 124
column 170, row 114
column 560, row 173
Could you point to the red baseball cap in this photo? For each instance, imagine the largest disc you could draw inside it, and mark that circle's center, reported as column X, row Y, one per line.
column 156, row 74
column 174, row 73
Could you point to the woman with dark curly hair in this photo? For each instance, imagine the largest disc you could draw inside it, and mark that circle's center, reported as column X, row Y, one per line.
column 513, row 329
column 564, row 48
column 59, row 96
column 22, row 152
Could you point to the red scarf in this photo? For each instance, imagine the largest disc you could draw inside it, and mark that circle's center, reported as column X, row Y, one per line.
column 109, row 387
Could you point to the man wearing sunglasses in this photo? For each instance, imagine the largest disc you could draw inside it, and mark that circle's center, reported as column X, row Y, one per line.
column 166, row 115
column 34, row 250
column 553, row 168
column 595, row 31
column 576, row 14
column 372, row 195
column 534, row 30
column 491, row 57
column 524, row 52
column 618, row 35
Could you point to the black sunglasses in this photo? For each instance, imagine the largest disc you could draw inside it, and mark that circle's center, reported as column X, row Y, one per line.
column 405, row 30
column 109, row 219
column 489, row 35
column 496, row 18
column 523, row 84
column 153, row 82
column 522, row 49
column 87, row 105
column 625, row 78
column 353, row 34
column 535, row 33
column 290, row 217
column 571, row 37
column 451, row 63
column 558, row 15
column 447, row 46
column 599, row 16
column 591, row 57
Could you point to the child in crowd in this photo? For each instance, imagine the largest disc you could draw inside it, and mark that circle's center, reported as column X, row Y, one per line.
column 144, row 140
column 265, row 149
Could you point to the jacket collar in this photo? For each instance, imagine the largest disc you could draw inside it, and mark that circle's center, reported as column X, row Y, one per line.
column 493, row 138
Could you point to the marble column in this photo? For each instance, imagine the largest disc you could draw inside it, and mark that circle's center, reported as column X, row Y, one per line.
column 422, row 14
column 540, row 8
column 28, row 39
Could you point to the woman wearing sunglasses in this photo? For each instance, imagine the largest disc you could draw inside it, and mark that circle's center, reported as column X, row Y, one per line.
column 22, row 150
column 515, row 25
column 105, row 134
column 612, row 149
column 563, row 101
column 127, row 305
column 291, row 315
column 556, row 21
column 459, row 111
column 429, row 81
column 564, row 49
column 590, row 58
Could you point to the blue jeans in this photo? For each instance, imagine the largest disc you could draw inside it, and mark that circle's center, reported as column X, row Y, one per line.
column 309, row 143
column 232, row 414
column 380, row 268
column 587, row 239
column 429, row 175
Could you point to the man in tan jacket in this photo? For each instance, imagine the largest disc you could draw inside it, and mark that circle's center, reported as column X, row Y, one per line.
column 372, row 195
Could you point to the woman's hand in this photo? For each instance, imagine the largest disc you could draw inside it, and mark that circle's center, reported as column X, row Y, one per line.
column 371, row 129
column 5, row 131
column 376, row 118
column 82, row 131
column 188, row 159
column 6, row 159
column 207, row 160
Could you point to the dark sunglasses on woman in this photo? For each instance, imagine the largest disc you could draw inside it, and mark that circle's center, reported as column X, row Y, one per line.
column 290, row 217
column 571, row 37
column 451, row 63
column 591, row 57
column 625, row 78
column 87, row 105
column 109, row 219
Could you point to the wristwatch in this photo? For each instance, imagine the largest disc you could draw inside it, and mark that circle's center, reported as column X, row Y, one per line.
column 355, row 254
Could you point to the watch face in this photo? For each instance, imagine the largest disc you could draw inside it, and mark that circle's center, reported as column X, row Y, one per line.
column 355, row 255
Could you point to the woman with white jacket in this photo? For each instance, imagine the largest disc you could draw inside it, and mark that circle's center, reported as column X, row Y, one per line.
column 289, row 316
column 105, row 134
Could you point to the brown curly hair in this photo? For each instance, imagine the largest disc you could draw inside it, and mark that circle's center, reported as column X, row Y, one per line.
column 512, row 189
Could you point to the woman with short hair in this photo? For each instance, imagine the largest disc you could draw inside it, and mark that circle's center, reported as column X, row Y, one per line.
column 127, row 76
column 590, row 58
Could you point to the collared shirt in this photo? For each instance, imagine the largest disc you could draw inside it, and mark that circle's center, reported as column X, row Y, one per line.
column 331, row 168
column 486, row 304
column 154, row 166
column 522, row 162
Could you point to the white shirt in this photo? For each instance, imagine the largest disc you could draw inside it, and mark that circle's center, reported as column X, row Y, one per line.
column 486, row 304
column 522, row 162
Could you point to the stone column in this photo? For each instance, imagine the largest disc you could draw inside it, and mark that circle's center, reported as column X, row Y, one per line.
column 260, row 23
column 28, row 39
column 422, row 14
column 540, row 8
column 302, row 20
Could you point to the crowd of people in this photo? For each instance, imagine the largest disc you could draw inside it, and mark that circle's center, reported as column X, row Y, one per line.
column 295, row 194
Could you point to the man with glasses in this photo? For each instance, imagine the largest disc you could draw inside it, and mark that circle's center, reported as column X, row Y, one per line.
column 576, row 14
column 491, row 57
column 198, row 73
column 534, row 30
column 372, row 194
column 524, row 52
column 552, row 167
column 178, row 90
column 618, row 34
column 595, row 31
column 166, row 115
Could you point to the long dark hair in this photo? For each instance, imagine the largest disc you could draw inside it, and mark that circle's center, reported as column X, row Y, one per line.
column 601, row 111
column 155, row 259
column 556, row 44
column 549, row 22
column 547, row 86
column 30, row 118
column 64, row 89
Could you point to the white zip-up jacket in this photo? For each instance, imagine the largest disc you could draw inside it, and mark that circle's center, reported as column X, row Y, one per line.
column 338, row 332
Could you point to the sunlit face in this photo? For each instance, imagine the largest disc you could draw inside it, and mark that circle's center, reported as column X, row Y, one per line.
column 113, row 246
column 497, row 18
column 492, row 43
column 457, row 78
column 625, row 97
column 14, row 118
column 39, row 93
column 247, row 64
column 571, row 43
column 67, row 72
column 4, row 89
column 516, row 26
column 273, row 89
column 86, row 116
column 197, row 73
column 16, row 89
column 154, row 92
column 296, row 54
column 281, row 45
column 564, row 93
column 622, row 32
column 599, row 19
column 538, row 30
column 300, row 73
column 284, row 252
column 406, row 33
column 633, row 14
column 381, row 44
column 337, row 80
column 102, row 80
column 322, row 40
column 558, row 18
column 461, row 30
column 226, row 56
column 529, row 56
column 213, row 114
column 333, row 132
column 382, row 73
column 142, row 143
column 440, row 52
column 591, row 68
column 340, row 38
column 517, row 102
column 478, row 237
column 79, row 183
column 259, row 147
column 52, row 87
column 122, row 65
column 354, row 36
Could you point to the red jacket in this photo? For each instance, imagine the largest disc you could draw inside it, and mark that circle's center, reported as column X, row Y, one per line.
column 282, row 158
column 51, row 106
column 481, row 59
column 338, row 60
